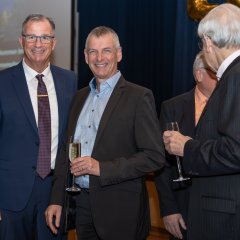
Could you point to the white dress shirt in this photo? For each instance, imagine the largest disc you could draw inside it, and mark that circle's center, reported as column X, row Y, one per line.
column 226, row 63
column 32, row 84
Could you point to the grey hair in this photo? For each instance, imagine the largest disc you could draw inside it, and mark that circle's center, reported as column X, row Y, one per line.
column 101, row 31
column 199, row 63
column 222, row 26
column 36, row 17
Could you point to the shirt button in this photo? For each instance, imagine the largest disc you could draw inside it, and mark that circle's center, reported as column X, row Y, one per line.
column 86, row 142
column 89, row 126
column 92, row 110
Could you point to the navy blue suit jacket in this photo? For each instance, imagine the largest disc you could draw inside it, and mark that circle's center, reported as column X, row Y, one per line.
column 19, row 140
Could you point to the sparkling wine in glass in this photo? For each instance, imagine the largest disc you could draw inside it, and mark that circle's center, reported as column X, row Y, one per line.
column 173, row 126
column 74, row 152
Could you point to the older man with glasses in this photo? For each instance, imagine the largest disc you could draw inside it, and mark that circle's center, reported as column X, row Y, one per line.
column 213, row 156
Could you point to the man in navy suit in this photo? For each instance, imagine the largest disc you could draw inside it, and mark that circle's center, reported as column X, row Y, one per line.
column 186, row 110
column 213, row 156
column 24, row 194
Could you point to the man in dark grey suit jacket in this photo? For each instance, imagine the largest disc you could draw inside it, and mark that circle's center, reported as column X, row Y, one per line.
column 185, row 109
column 213, row 156
column 117, row 125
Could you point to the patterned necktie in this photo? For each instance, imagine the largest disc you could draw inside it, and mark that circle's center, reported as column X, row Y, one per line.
column 44, row 129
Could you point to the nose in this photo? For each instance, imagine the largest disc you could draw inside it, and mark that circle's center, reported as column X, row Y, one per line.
column 99, row 56
column 38, row 41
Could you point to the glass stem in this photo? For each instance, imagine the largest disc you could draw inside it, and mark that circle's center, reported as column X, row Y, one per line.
column 179, row 166
column 73, row 180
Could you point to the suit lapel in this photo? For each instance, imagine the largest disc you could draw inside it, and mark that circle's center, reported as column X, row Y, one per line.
column 78, row 103
column 112, row 103
column 59, row 83
column 220, row 82
column 21, row 90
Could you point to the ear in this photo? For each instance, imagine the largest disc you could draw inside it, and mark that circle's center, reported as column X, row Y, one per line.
column 86, row 55
column 209, row 45
column 199, row 75
column 20, row 39
column 54, row 43
column 119, row 54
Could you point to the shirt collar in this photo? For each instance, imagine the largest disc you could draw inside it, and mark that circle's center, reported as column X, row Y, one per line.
column 31, row 73
column 201, row 98
column 109, row 83
column 226, row 63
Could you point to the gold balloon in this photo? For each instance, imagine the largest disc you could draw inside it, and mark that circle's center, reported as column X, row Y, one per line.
column 197, row 9
column 235, row 2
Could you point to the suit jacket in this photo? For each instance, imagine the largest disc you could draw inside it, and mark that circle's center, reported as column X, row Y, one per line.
column 174, row 196
column 19, row 140
column 214, row 159
column 128, row 146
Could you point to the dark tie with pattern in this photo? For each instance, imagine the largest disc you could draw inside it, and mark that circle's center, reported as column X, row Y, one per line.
column 44, row 129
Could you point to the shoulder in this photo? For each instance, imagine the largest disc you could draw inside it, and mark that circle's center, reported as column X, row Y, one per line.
column 13, row 72
column 133, row 88
column 82, row 91
column 59, row 70
column 10, row 70
column 187, row 96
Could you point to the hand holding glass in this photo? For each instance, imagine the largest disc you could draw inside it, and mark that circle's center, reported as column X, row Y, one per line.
column 173, row 126
column 74, row 152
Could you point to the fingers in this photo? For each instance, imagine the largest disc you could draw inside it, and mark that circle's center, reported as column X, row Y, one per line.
column 177, row 232
column 174, row 142
column 57, row 220
column 172, row 224
column 80, row 166
column 53, row 216
column 182, row 223
column 85, row 165
column 174, row 229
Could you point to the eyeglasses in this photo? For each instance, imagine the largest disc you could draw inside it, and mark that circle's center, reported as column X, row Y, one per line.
column 200, row 45
column 203, row 38
column 33, row 38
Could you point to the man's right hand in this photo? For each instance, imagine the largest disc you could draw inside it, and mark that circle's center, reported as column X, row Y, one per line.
column 173, row 223
column 53, row 216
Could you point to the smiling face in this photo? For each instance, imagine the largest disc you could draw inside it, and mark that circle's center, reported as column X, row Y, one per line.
column 102, row 55
column 36, row 54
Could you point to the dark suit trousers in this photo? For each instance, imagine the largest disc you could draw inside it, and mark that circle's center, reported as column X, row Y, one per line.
column 84, row 223
column 29, row 223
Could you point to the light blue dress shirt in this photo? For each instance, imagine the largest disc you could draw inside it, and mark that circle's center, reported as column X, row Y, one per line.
column 89, row 119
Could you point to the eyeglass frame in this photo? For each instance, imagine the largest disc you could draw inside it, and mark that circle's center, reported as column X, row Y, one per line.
column 45, row 39
column 200, row 43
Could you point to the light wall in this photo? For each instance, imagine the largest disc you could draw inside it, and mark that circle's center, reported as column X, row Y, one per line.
column 13, row 13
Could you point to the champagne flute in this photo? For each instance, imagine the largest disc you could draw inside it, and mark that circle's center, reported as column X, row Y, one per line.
column 74, row 152
column 173, row 126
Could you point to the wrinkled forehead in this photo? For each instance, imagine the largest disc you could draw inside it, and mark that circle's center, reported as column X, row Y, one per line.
column 101, row 41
